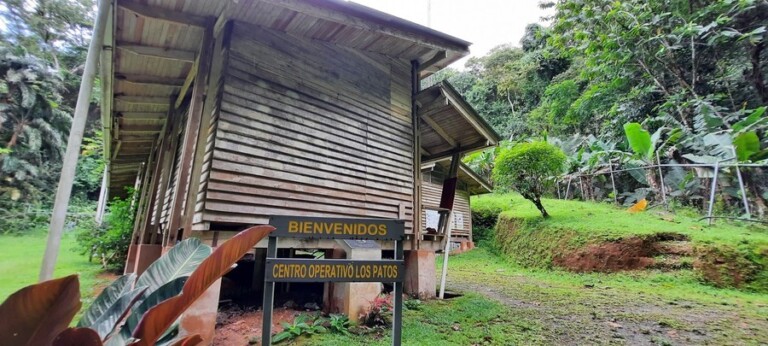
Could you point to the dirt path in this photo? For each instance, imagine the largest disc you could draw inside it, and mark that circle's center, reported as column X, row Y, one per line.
column 604, row 315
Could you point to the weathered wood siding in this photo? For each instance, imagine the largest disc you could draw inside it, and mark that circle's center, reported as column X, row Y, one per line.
column 432, row 189
column 308, row 128
column 167, row 197
column 212, row 107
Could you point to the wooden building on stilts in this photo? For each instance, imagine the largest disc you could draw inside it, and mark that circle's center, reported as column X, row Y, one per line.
column 468, row 184
column 223, row 113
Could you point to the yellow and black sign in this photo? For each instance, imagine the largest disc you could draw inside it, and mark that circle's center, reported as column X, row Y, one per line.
column 332, row 270
column 337, row 228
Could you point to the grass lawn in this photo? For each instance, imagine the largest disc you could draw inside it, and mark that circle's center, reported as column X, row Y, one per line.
column 466, row 320
column 505, row 304
column 584, row 234
column 21, row 257
column 608, row 221
column 510, row 300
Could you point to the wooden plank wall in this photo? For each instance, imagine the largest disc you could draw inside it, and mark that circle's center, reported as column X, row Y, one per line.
column 308, row 128
column 167, row 200
column 212, row 108
column 432, row 189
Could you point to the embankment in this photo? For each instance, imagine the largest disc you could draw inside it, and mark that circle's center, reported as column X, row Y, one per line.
column 592, row 237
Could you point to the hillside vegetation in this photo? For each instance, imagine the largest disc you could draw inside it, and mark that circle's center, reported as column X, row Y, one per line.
column 586, row 237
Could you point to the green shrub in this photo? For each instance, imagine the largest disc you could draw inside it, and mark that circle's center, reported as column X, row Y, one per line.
column 300, row 326
column 109, row 242
column 339, row 324
column 529, row 168
column 412, row 304
column 483, row 223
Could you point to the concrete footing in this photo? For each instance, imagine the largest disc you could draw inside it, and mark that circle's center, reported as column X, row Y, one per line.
column 352, row 298
column 200, row 318
column 464, row 246
column 420, row 275
column 130, row 262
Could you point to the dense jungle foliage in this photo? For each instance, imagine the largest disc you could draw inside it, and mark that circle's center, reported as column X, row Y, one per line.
column 687, row 77
column 690, row 74
column 41, row 58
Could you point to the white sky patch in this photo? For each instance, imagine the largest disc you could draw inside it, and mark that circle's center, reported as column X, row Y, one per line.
column 485, row 23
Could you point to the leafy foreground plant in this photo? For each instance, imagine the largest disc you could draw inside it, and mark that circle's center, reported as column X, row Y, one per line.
column 339, row 324
column 300, row 327
column 130, row 311
column 379, row 313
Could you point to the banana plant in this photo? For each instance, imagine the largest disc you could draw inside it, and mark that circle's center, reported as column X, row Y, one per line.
column 645, row 147
column 130, row 311
column 746, row 142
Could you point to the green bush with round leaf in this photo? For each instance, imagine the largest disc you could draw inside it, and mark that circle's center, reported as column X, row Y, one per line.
column 529, row 169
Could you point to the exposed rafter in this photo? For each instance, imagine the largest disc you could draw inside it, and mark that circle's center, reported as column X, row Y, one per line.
column 150, row 80
column 438, row 129
column 428, row 65
column 142, row 117
column 162, row 13
column 187, row 83
column 360, row 17
column 481, row 144
column 158, row 52
column 143, row 100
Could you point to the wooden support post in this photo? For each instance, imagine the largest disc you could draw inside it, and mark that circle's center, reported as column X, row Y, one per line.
column 157, row 177
column 446, row 253
column 448, row 194
column 167, row 168
column 453, row 173
column 190, row 136
column 143, row 211
column 613, row 184
column 143, row 192
column 416, row 157
column 64, row 189
column 103, row 195
column 107, row 91
column 218, row 63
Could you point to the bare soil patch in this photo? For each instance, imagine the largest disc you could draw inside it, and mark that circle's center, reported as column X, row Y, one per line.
column 236, row 327
column 632, row 253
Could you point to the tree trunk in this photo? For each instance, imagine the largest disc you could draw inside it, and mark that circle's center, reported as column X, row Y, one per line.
column 15, row 136
column 757, row 73
column 537, row 202
column 653, row 181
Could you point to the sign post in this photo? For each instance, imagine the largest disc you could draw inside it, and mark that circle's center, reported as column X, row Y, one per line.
column 334, row 270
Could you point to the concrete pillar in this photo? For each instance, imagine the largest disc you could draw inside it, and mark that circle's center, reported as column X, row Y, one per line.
column 145, row 255
column 130, row 262
column 200, row 318
column 259, row 264
column 420, row 274
column 353, row 298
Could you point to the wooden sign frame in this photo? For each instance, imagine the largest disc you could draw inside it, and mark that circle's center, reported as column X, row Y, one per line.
column 334, row 270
